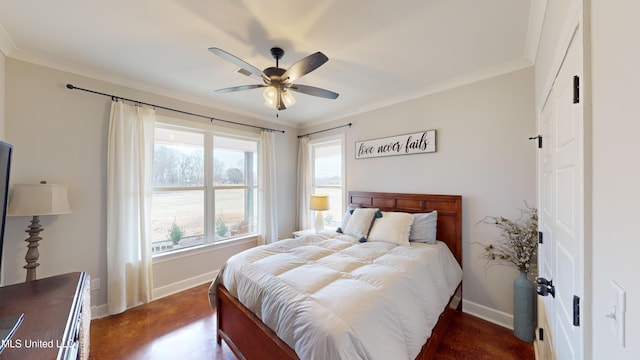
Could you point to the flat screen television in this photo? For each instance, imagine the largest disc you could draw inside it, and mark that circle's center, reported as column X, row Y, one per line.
column 8, row 323
column 6, row 151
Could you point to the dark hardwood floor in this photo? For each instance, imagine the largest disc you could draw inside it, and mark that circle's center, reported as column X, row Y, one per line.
column 182, row 326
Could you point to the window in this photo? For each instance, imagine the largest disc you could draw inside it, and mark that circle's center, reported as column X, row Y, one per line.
column 327, row 160
column 205, row 187
column 235, row 173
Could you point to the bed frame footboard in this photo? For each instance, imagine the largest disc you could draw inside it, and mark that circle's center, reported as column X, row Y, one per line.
column 439, row 331
column 249, row 338
column 245, row 334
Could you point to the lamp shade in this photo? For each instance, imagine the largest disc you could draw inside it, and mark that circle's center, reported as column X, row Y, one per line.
column 36, row 200
column 319, row 202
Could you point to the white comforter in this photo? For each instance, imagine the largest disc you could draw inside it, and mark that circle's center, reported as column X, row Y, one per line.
column 330, row 297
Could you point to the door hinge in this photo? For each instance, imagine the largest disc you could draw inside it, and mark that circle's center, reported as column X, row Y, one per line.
column 576, row 310
column 540, row 334
column 539, row 137
column 539, row 237
column 576, row 89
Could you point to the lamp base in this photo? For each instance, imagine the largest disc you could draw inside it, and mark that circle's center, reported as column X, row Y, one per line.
column 319, row 225
column 32, row 254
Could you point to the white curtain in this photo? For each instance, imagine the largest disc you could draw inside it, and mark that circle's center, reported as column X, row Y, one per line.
column 129, row 172
column 268, row 200
column 304, row 216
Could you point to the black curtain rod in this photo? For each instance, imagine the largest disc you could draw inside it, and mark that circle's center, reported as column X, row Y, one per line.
column 319, row 131
column 69, row 86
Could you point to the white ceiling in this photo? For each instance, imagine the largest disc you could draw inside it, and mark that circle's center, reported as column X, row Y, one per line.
column 380, row 52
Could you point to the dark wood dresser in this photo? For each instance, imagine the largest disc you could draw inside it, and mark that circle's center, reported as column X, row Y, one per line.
column 53, row 317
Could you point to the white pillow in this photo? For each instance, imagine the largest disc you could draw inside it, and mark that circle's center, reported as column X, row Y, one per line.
column 360, row 222
column 392, row 227
column 424, row 227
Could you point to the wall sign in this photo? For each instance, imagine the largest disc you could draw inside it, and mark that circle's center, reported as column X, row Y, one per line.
column 416, row 143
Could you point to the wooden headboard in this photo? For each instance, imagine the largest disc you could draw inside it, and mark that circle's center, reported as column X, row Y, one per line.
column 449, row 209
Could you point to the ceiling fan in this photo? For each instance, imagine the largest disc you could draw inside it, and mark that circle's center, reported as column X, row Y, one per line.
column 278, row 81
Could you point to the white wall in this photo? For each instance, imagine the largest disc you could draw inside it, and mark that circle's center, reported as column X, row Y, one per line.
column 616, row 171
column 60, row 135
column 483, row 153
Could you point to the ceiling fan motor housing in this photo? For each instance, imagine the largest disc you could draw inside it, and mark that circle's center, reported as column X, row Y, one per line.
column 274, row 73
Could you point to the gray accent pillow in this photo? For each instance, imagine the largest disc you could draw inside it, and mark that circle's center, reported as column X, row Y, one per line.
column 424, row 227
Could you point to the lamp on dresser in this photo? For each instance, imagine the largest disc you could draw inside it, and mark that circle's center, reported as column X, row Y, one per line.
column 319, row 203
column 37, row 200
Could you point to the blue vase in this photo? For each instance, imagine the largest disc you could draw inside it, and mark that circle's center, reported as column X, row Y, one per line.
column 523, row 308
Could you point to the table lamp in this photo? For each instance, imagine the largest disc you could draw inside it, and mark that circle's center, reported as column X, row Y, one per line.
column 319, row 203
column 37, row 200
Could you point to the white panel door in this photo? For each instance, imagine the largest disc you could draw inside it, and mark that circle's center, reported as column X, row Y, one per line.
column 562, row 205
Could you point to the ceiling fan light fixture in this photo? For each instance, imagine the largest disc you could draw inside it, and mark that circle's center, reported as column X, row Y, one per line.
column 270, row 104
column 270, row 92
column 270, row 95
column 288, row 98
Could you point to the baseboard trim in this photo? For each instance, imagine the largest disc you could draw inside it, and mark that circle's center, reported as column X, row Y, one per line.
column 486, row 313
column 185, row 284
column 100, row 311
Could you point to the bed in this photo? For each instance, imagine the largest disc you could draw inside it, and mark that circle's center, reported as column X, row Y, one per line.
column 304, row 318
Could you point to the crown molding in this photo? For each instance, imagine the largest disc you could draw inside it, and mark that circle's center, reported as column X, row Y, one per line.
column 462, row 80
column 534, row 31
column 89, row 72
column 6, row 44
column 83, row 70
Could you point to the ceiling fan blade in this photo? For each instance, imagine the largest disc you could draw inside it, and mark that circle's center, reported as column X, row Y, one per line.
column 311, row 90
column 304, row 66
column 240, row 88
column 236, row 61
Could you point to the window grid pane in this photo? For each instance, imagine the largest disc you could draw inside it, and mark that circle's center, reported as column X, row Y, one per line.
column 333, row 216
column 327, row 158
column 235, row 212
column 234, row 161
column 177, row 219
column 327, row 164
column 179, row 205
column 178, row 159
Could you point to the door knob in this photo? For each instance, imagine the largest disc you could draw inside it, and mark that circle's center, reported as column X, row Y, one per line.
column 545, row 287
